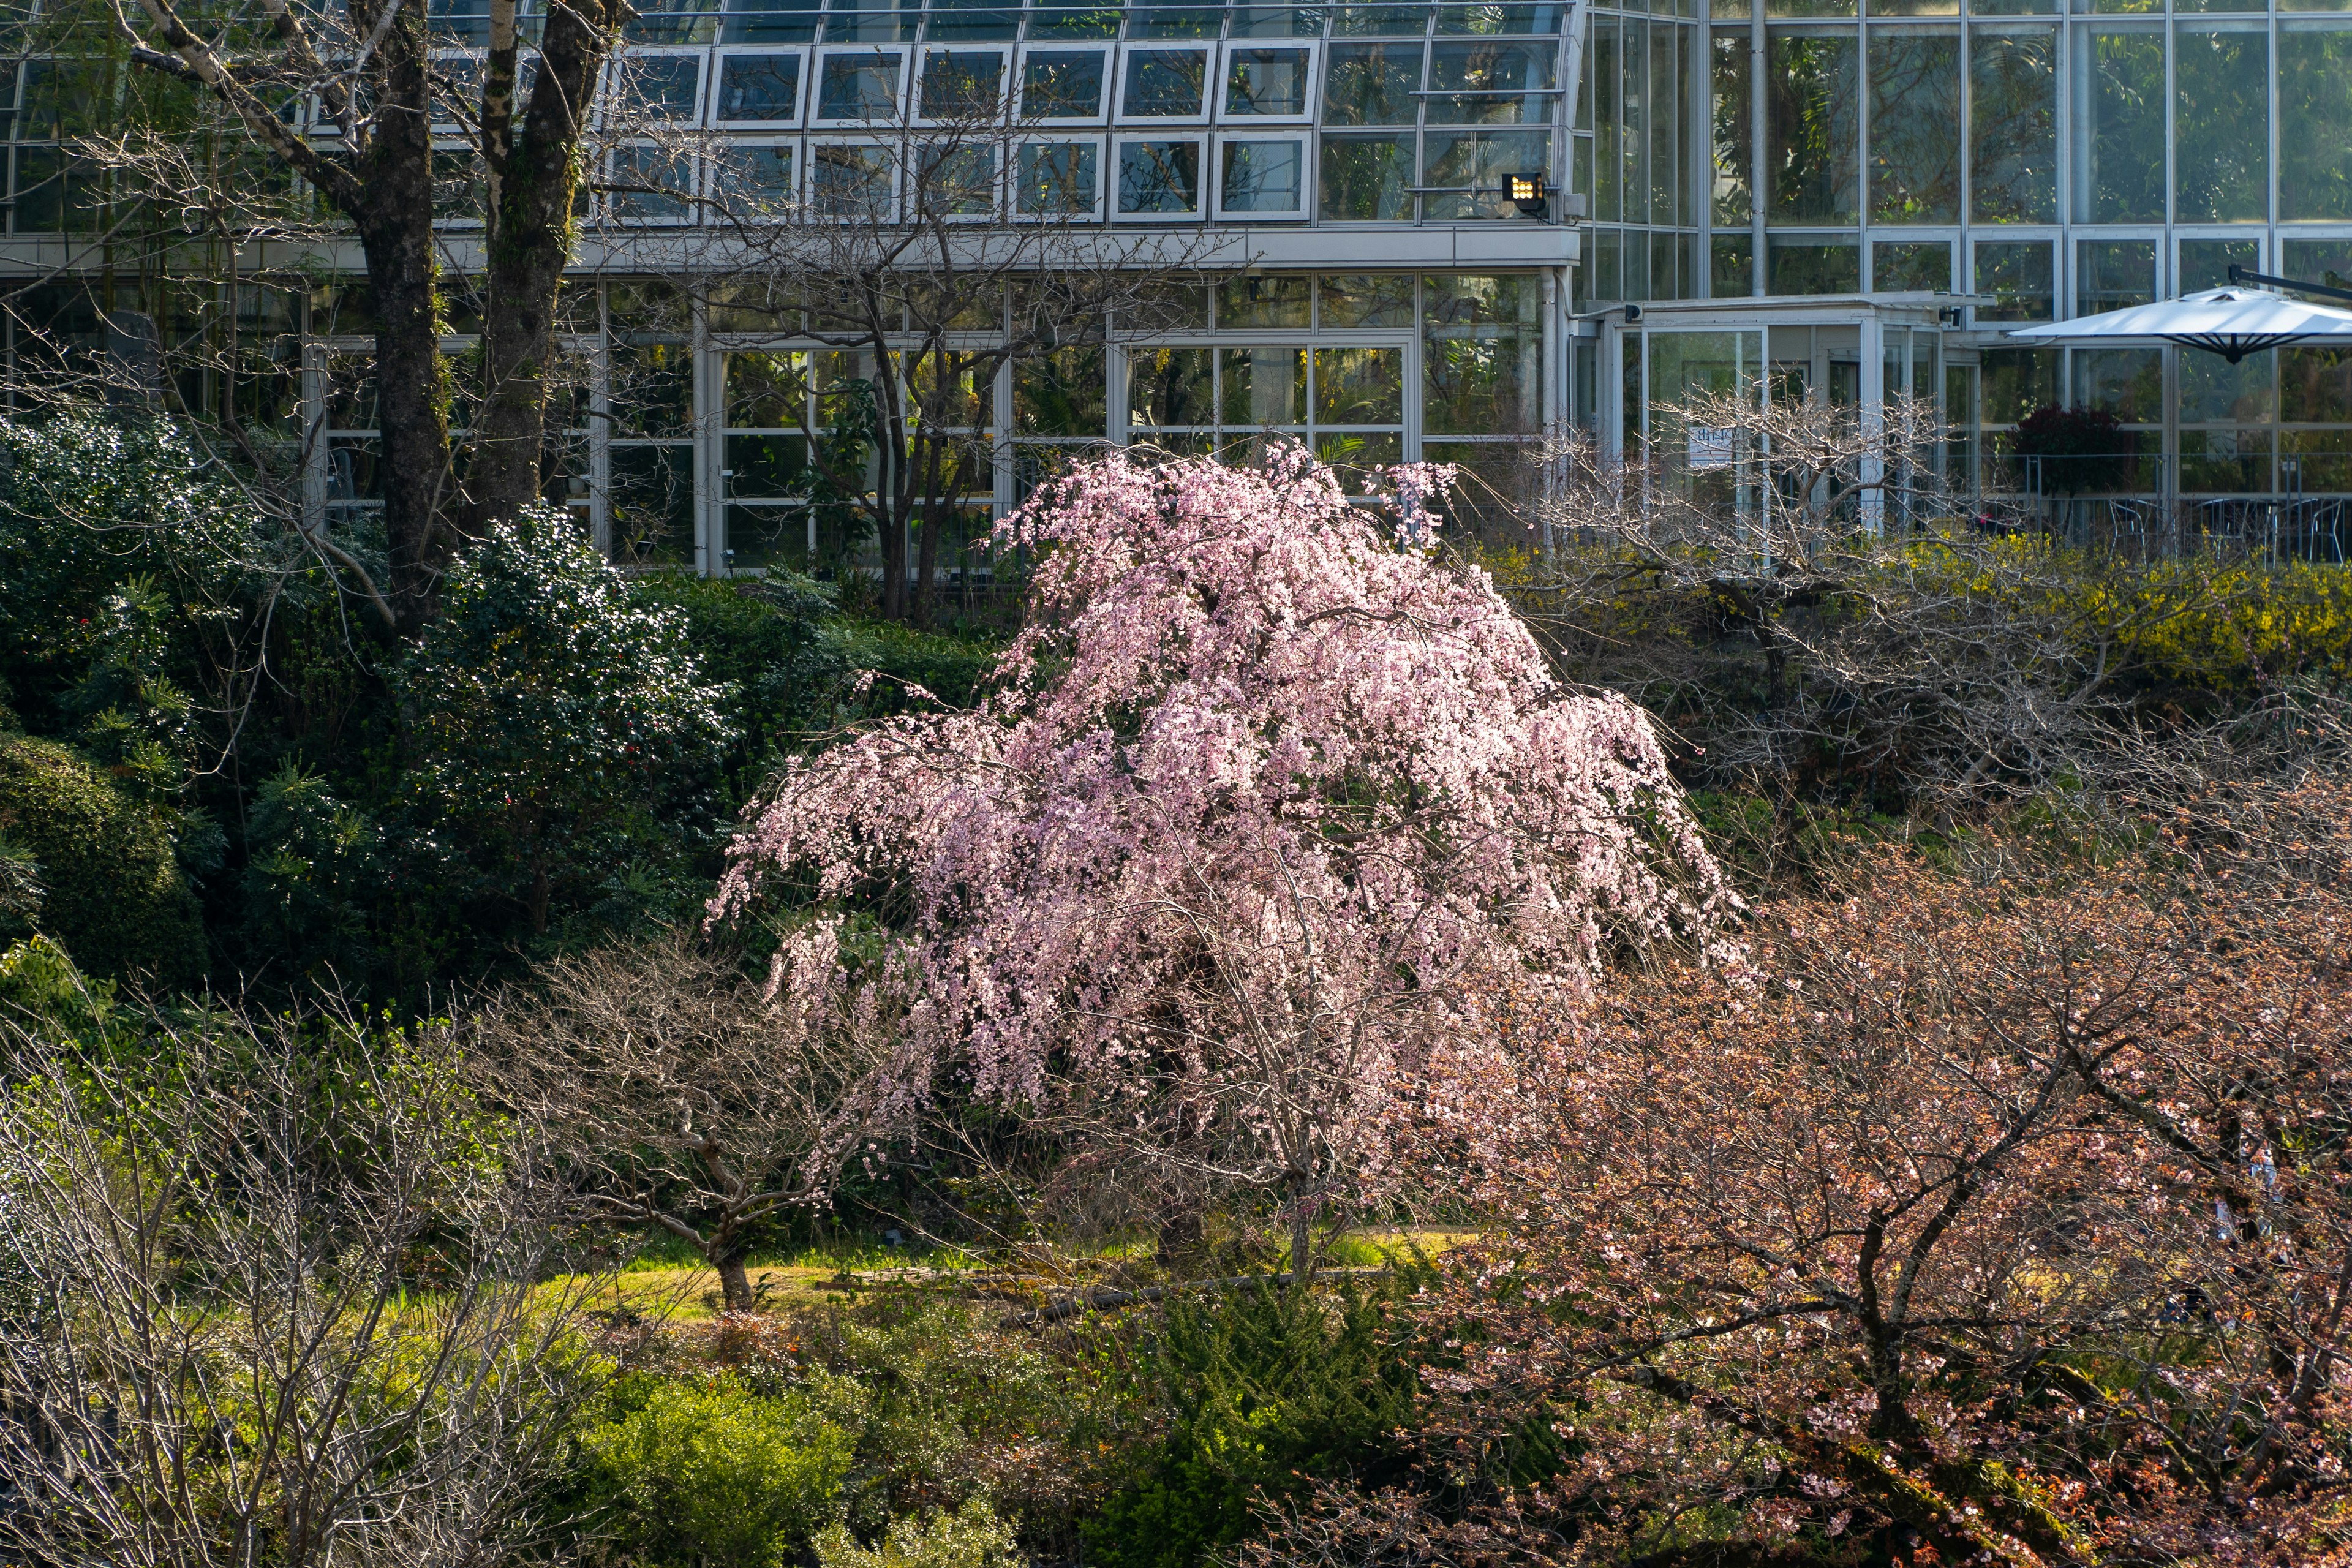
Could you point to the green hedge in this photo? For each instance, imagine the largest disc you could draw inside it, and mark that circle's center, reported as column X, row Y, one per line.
column 111, row 892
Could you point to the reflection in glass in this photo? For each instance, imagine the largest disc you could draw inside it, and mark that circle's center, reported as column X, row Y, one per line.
column 1170, row 387
column 1492, row 84
column 1062, row 84
column 2215, row 392
column 2119, row 146
column 1255, row 301
column 1482, row 161
column 1481, row 358
column 2112, row 274
column 1058, row 177
column 858, row 86
column 1159, row 176
column 1906, row 267
column 651, row 184
column 1262, row 177
column 1812, row 266
column 1370, row 84
column 2315, row 91
column 2315, row 386
column 2225, row 462
column 656, row 87
column 1163, row 83
column 957, row 181
column 1734, row 131
column 1262, row 386
column 2127, row 383
column 2013, row 126
column 962, row 84
column 1061, row 394
column 2206, row 263
column 1266, row 81
column 753, row 180
column 849, row 182
column 1358, row 386
column 759, row 86
column 650, row 506
column 2018, row 274
column 1364, row 300
column 1915, row 127
column 2222, row 125
column 1731, row 266
column 1812, row 126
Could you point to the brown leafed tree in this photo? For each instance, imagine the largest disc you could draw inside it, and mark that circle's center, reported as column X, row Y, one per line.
column 1991, row 1215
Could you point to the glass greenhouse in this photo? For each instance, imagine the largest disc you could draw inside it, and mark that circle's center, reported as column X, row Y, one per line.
column 1431, row 231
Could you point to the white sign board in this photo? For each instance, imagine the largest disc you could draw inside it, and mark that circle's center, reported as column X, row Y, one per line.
column 1710, row 447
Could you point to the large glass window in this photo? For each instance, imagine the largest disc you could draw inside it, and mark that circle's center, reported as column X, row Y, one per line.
column 1364, row 300
column 1733, row 203
column 2112, row 275
column 2221, row 151
column 1482, row 350
column 1265, row 82
column 1365, row 179
column 1902, row 267
column 1812, row 124
column 1809, row 264
column 2315, row 93
column 2206, row 263
column 2019, row 275
column 1471, row 168
column 1159, row 177
column 2119, row 139
column 649, row 88
column 1491, row 83
column 758, row 88
column 1164, row 84
column 1062, row 84
column 1262, row 179
column 962, row 84
column 2013, row 118
column 861, row 86
column 1370, row 84
column 1057, row 179
column 1915, row 126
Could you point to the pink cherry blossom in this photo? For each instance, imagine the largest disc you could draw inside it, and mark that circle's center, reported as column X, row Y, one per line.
column 1261, row 791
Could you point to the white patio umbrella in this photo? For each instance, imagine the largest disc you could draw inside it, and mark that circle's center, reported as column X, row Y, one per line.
column 2232, row 322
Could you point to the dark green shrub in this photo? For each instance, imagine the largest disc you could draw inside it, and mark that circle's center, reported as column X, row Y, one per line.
column 1266, row 1390
column 111, row 890
column 558, row 730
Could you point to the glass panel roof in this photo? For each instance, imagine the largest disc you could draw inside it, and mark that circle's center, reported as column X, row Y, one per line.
column 688, row 21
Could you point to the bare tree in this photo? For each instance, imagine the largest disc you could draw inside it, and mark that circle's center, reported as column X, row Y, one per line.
column 965, row 235
column 688, row 1096
column 1799, row 592
column 288, row 1294
column 348, row 100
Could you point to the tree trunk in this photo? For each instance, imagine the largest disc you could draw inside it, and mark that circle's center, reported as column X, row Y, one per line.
column 927, row 560
column 734, row 1280
column 395, row 228
column 534, row 191
column 1302, row 1237
column 890, row 506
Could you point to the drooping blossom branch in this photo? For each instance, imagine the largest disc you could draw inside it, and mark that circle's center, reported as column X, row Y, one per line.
column 1257, row 790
